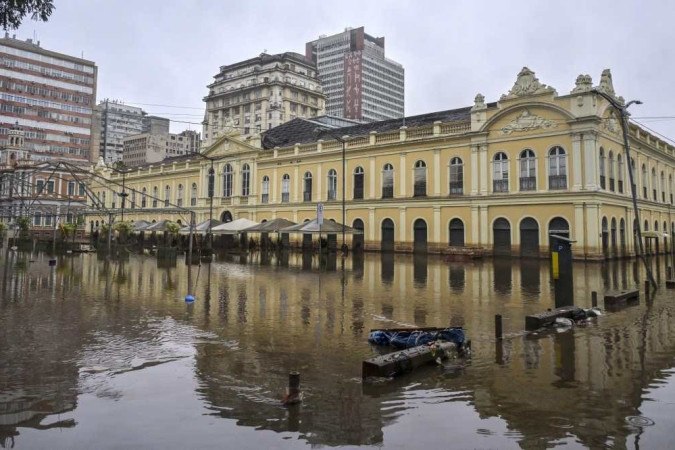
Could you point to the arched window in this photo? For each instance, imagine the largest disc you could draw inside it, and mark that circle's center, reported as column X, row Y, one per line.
column 456, row 176
column 655, row 185
column 619, row 173
column 332, row 184
column 528, row 174
column 265, row 189
column 420, row 179
column 500, row 173
column 557, row 168
column 663, row 187
column 193, row 195
column 179, row 195
column 644, row 181
column 670, row 182
column 167, row 195
column 456, row 232
column 602, row 168
column 245, row 180
column 227, row 181
column 388, row 181
column 358, row 183
column 155, row 196
column 307, row 187
column 144, row 198
column 610, row 170
column 286, row 188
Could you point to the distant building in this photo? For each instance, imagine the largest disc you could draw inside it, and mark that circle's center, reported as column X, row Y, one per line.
column 156, row 125
column 117, row 121
column 147, row 148
column 359, row 82
column 194, row 139
column 260, row 93
column 51, row 96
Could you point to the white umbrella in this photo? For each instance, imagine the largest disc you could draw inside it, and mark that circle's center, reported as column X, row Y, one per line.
column 235, row 227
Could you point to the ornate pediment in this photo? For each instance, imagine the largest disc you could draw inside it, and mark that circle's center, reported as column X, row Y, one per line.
column 527, row 84
column 527, row 121
column 612, row 123
column 584, row 83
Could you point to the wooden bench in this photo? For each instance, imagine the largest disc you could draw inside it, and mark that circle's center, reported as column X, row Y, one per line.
column 618, row 299
column 536, row 321
column 403, row 361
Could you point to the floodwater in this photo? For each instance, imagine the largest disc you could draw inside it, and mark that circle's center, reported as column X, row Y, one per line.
column 107, row 354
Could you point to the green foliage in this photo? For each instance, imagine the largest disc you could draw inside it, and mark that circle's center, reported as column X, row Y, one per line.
column 23, row 223
column 3, row 228
column 12, row 12
column 67, row 229
column 123, row 227
column 172, row 227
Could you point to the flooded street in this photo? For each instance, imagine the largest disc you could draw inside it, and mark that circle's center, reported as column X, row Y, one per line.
column 107, row 354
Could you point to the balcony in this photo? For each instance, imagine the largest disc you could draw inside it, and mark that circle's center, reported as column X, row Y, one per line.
column 528, row 183
column 388, row 192
column 557, row 182
column 500, row 185
column 456, row 188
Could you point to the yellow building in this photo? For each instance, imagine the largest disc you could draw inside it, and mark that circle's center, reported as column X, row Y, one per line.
column 498, row 175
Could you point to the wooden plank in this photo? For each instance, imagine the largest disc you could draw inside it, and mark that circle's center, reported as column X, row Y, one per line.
column 398, row 330
column 536, row 321
column 670, row 284
column 618, row 298
column 403, row 361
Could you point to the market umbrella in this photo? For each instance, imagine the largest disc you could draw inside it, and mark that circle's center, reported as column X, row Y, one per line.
column 235, row 227
column 271, row 226
column 140, row 225
column 327, row 227
column 201, row 227
column 162, row 225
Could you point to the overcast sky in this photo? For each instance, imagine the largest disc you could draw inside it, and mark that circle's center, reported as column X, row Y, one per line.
column 165, row 52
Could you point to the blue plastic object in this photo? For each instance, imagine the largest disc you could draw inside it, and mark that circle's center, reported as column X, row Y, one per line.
column 407, row 339
column 189, row 298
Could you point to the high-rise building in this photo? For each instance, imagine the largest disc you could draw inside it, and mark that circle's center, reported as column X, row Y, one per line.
column 51, row 96
column 117, row 122
column 359, row 82
column 147, row 148
column 260, row 93
column 156, row 125
column 194, row 139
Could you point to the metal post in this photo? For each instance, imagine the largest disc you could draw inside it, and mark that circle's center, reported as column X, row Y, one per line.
column 498, row 327
column 192, row 226
column 211, row 189
column 110, row 225
column 594, row 299
column 344, row 211
column 123, row 194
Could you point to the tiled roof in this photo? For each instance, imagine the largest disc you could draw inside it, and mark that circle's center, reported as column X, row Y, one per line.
column 304, row 131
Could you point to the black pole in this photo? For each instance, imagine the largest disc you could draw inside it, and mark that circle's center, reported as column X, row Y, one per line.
column 211, row 193
column 344, row 212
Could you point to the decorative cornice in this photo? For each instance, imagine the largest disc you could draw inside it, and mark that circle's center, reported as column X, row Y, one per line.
column 527, row 121
column 527, row 84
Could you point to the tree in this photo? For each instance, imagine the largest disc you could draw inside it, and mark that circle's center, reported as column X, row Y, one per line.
column 12, row 12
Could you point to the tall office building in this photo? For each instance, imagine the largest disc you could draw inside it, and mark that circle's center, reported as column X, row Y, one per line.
column 51, row 96
column 117, row 122
column 260, row 93
column 359, row 82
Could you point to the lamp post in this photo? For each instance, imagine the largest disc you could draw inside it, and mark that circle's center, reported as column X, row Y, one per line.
column 623, row 113
column 342, row 140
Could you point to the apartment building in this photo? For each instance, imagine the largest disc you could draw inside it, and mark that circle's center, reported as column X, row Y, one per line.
column 147, row 148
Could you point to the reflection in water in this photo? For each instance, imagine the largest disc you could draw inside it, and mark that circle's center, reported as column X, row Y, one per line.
column 103, row 328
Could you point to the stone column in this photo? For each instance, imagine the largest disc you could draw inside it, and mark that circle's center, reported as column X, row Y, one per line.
column 402, row 236
column 484, row 227
column 437, row 226
column 577, row 231
column 318, row 194
column 275, row 188
column 295, row 184
column 473, row 166
column 576, row 166
column 437, row 172
column 403, row 172
column 474, row 226
column 483, row 169
column 372, row 225
column 591, row 166
column 372, row 175
column 593, row 246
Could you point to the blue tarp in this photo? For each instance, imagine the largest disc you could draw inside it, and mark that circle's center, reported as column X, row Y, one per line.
column 407, row 339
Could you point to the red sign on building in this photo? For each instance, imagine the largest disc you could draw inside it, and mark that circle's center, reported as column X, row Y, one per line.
column 353, row 84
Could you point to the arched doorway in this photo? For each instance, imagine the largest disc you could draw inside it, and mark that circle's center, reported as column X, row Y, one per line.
column 387, row 243
column 456, row 230
column 357, row 240
column 501, row 230
column 529, row 237
column 558, row 226
column 605, row 237
column 226, row 216
column 420, row 236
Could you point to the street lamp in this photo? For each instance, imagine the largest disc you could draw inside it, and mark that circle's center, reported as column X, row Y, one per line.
column 343, row 141
column 623, row 113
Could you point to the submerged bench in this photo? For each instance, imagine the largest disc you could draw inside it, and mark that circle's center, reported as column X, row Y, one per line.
column 536, row 321
column 617, row 299
column 403, row 361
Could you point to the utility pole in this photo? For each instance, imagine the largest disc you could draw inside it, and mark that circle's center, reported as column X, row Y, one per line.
column 623, row 112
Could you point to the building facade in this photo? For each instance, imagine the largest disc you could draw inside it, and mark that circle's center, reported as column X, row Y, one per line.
column 359, row 82
column 117, row 121
column 260, row 93
column 151, row 148
column 51, row 96
column 499, row 176
column 156, row 125
column 44, row 192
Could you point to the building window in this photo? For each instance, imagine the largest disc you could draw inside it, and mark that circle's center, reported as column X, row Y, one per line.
column 193, row 195
column 358, row 183
column 644, row 181
column 245, row 180
column 167, row 195
column 557, row 168
column 83, row 190
column 227, row 181
column 265, row 189
column 528, row 171
column 50, row 187
column 619, row 173
column 37, row 219
column 114, row 200
column 602, row 168
column 332, row 184
column 40, row 186
column 663, row 187
column 307, row 187
column 285, row 188
column 179, row 195
column 655, row 185
column 144, row 198
column 388, row 181
column 71, row 188
column 155, row 196
column 456, row 176
column 500, row 173
column 610, row 170
column 420, row 179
